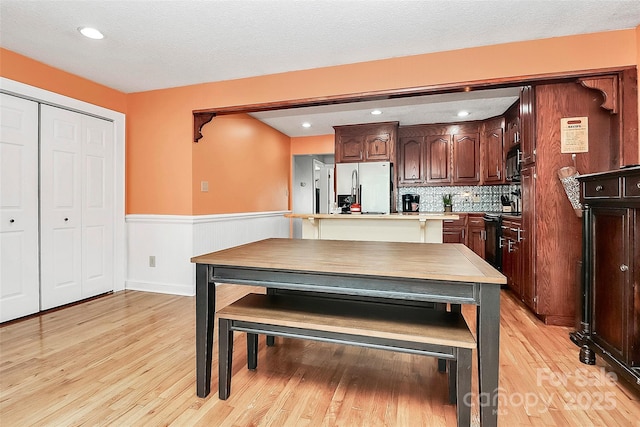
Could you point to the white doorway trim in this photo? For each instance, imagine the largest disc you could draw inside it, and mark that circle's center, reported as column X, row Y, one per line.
column 22, row 90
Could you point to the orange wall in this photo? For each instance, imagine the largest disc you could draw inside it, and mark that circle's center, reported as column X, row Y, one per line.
column 25, row 70
column 161, row 156
column 241, row 158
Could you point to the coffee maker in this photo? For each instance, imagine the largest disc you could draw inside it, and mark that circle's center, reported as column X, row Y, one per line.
column 410, row 203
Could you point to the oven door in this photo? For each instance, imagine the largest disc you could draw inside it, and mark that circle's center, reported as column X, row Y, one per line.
column 493, row 249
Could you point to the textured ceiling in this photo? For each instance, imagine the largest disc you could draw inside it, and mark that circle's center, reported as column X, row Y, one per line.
column 158, row 44
column 154, row 44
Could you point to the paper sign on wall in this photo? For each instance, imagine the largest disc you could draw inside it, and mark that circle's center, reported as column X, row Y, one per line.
column 574, row 135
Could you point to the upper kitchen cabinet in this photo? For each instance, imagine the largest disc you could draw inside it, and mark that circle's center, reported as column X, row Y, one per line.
column 512, row 126
column 411, row 160
column 370, row 142
column 527, row 125
column 438, row 159
column 440, row 154
column 492, row 152
column 466, row 158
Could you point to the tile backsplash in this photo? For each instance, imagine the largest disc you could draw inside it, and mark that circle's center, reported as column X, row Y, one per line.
column 465, row 198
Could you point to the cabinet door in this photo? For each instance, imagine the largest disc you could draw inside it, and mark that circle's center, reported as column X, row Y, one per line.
column 476, row 236
column 453, row 235
column 411, row 160
column 438, row 159
column 527, row 245
column 466, row 159
column 476, row 241
column 493, row 166
column 19, row 281
column 377, row 147
column 527, row 125
column 350, row 148
column 611, row 292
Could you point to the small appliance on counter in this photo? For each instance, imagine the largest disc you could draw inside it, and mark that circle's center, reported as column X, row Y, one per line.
column 410, row 203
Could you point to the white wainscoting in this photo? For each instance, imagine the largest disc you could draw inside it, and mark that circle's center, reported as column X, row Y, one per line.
column 174, row 239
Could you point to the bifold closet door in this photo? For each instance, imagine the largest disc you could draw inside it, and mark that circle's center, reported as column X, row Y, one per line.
column 19, row 278
column 76, row 196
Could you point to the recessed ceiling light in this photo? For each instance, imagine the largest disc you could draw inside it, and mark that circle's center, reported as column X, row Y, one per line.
column 376, row 112
column 91, row 33
column 306, row 125
column 463, row 113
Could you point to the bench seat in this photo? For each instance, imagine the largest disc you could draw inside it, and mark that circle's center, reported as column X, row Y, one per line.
column 435, row 333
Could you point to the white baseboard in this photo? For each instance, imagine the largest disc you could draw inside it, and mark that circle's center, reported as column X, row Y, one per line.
column 174, row 239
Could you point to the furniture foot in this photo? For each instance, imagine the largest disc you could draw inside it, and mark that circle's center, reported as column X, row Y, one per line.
column 587, row 356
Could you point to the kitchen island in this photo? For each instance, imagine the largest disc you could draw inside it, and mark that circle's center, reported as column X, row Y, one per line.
column 423, row 227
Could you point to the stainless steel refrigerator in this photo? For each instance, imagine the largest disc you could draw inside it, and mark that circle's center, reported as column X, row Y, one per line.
column 369, row 182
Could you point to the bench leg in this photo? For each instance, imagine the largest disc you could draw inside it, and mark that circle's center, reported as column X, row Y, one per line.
column 225, row 358
column 252, row 351
column 463, row 386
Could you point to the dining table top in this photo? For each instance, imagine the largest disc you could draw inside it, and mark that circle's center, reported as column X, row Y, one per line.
column 431, row 261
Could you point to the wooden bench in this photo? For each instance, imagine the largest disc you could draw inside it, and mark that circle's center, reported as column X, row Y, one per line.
column 440, row 334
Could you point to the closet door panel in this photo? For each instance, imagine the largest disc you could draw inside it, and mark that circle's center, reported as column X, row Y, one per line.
column 19, row 274
column 60, row 206
column 97, row 200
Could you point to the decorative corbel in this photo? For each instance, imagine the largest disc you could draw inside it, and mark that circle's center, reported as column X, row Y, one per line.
column 608, row 87
column 199, row 120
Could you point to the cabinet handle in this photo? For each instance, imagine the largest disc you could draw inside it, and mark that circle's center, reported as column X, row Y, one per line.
column 599, row 188
column 638, row 184
column 500, row 242
column 624, row 267
column 12, row 220
column 66, row 219
column 498, row 170
column 519, row 231
column 509, row 243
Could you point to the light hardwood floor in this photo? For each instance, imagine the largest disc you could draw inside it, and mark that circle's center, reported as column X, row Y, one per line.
column 128, row 359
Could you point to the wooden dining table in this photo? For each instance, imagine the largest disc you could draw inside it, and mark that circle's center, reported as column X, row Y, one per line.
column 391, row 271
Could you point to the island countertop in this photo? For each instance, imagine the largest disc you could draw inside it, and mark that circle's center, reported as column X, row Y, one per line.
column 423, row 227
column 392, row 216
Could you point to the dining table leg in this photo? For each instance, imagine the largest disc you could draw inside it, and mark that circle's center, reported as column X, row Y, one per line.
column 488, row 337
column 205, row 311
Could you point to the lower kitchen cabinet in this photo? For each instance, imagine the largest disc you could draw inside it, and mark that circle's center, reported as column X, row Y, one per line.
column 476, row 234
column 511, row 254
column 455, row 230
column 611, row 279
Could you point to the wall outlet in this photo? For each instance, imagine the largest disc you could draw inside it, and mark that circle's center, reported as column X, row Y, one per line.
column 204, row 186
column 152, row 261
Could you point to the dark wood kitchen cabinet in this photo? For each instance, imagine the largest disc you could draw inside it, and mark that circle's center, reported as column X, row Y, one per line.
column 455, row 230
column 476, row 233
column 466, row 158
column 511, row 253
column 528, row 125
column 438, row 159
column 370, row 142
column 527, row 247
column 492, row 155
column 411, row 160
column 611, row 277
column 512, row 126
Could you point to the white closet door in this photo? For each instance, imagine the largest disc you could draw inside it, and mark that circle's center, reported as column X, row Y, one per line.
column 77, row 196
column 60, row 206
column 19, row 278
column 97, row 206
